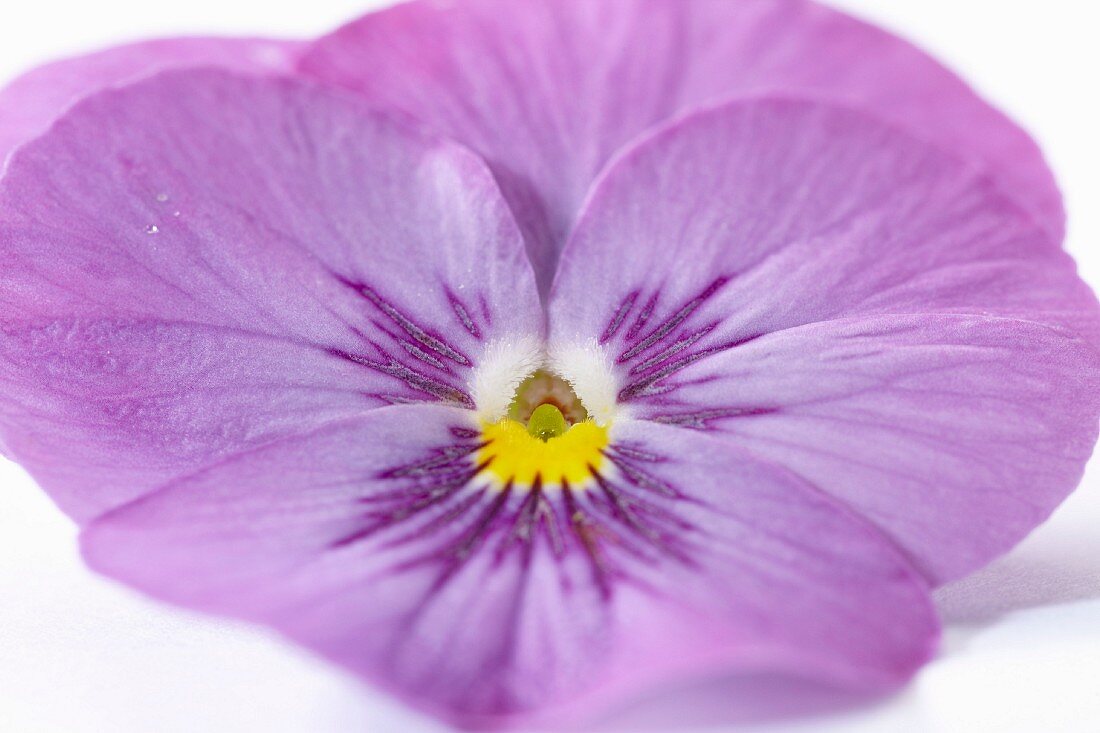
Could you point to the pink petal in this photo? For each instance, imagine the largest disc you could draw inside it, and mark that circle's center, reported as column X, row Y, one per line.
column 34, row 100
column 956, row 434
column 488, row 606
column 201, row 263
column 549, row 90
column 851, row 304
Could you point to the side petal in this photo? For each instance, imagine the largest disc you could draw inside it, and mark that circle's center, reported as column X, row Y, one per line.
column 32, row 101
column 549, row 90
column 791, row 259
column 955, row 434
column 202, row 262
column 487, row 605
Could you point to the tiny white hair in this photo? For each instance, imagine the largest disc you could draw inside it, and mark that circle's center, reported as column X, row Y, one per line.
column 587, row 367
column 503, row 366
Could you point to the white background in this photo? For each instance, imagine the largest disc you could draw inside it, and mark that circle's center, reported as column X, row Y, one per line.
column 1022, row 647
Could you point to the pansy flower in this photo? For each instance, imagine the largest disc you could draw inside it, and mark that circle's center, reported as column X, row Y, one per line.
column 520, row 357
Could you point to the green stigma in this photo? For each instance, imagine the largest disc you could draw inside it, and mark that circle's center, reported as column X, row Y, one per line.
column 547, row 422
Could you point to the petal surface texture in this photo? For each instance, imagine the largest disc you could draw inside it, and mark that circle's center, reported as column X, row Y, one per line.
column 31, row 102
column 549, row 90
column 202, row 262
column 486, row 605
column 850, row 303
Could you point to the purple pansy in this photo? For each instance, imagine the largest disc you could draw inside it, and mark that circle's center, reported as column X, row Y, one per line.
column 519, row 357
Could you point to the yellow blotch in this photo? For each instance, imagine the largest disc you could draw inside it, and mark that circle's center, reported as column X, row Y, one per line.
column 514, row 454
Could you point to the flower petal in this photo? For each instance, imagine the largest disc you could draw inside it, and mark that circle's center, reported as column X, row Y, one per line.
column 956, row 434
column 952, row 370
column 32, row 101
column 370, row 542
column 549, row 90
column 202, row 262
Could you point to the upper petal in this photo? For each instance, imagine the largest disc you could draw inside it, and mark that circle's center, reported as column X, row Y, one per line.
column 549, row 90
column 376, row 543
column 955, row 343
column 31, row 102
column 202, row 262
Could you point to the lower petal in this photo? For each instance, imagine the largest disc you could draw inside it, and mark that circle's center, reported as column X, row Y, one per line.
column 379, row 543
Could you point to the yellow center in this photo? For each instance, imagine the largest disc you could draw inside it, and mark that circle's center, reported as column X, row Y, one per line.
column 517, row 454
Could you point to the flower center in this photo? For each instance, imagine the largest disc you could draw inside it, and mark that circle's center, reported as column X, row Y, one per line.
column 543, row 388
column 547, row 438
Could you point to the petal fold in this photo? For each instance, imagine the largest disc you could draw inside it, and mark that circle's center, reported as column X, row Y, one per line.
column 492, row 605
column 549, row 90
column 202, row 262
column 32, row 101
column 899, row 332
